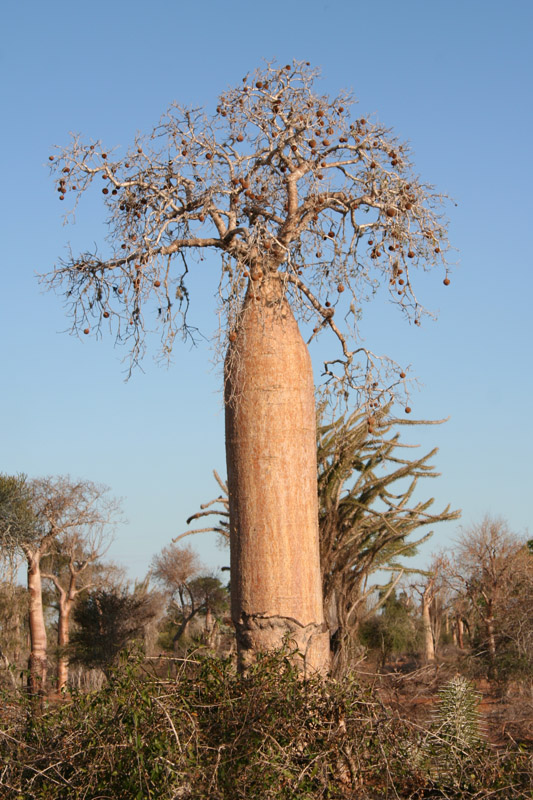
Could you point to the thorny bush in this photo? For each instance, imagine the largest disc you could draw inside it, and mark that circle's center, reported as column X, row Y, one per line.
column 193, row 728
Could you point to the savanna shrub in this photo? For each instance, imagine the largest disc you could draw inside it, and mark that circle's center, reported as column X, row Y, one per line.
column 193, row 728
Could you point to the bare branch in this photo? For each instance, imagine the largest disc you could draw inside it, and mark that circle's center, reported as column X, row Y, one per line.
column 277, row 176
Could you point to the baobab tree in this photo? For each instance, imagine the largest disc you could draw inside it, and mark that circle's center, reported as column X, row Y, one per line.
column 310, row 210
column 74, row 567
column 21, row 531
column 432, row 593
column 36, row 517
column 367, row 514
column 13, row 598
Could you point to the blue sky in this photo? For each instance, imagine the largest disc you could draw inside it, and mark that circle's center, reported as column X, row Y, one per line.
column 453, row 78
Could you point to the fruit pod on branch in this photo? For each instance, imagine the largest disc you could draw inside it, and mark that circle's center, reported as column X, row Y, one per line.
column 271, row 460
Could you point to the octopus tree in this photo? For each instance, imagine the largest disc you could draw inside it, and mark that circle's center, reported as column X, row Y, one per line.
column 310, row 209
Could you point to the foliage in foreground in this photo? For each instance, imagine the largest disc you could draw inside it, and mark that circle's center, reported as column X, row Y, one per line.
column 207, row 732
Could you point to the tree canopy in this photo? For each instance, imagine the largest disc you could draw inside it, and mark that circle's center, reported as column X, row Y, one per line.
column 279, row 179
column 18, row 522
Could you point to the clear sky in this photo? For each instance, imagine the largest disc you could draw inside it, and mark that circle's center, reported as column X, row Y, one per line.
column 453, row 78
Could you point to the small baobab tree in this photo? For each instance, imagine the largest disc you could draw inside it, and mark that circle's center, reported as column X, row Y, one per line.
column 22, row 530
column 73, row 566
column 432, row 591
column 13, row 597
column 310, row 210
column 37, row 517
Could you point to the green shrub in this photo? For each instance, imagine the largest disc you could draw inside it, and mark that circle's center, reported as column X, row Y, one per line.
column 392, row 631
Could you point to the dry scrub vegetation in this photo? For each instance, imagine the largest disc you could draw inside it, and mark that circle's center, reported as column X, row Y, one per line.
column 193, row 728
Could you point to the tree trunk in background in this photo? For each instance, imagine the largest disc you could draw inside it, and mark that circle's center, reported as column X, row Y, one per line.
column 63, row 637
column 429, row 645
column 491, row 640
column 272, row 480
column 6, row 664
column 211, row 624
column 209, row 620
column 38, row 644
column 460, row 633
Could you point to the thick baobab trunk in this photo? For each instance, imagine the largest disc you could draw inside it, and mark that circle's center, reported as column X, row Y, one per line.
column 276, row 590
column 37, row 664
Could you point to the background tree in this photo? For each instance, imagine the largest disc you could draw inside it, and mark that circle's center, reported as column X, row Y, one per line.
column 22, row 529
column 190, row 592
column 13, row 614
column 37, row 517
column 303, row 203
column 514, row 619
column 394, row 629
column 432, row 590
column 212, row 599
column 174, row 569
column 73, row 567
column 108, row 621
column 367, row 513
column 490, row 569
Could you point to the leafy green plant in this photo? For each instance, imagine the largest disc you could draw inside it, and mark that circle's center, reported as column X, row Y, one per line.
column 393, row 630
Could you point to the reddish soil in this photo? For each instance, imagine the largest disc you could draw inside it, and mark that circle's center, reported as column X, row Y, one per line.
column 411, row 690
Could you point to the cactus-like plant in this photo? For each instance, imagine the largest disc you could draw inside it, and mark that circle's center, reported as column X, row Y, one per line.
column 456, row 741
